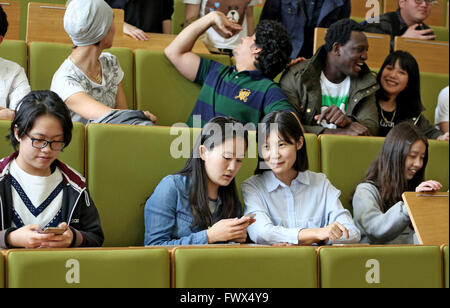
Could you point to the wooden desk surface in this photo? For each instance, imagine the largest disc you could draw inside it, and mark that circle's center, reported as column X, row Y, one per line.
column 156, row 41
column 46, row 24
column 429, row 215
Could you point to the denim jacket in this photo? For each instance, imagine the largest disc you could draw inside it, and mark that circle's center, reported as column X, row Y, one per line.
column 168, row 214
column 292, row 16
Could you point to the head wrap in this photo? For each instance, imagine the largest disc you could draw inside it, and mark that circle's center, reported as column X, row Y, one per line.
column 87, row 22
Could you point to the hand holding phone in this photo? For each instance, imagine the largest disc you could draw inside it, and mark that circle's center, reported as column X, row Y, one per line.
column 54, row 230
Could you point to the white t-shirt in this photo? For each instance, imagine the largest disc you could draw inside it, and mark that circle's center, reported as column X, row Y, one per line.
column 335, row 93
column 216, row 39
column 442, row 108
column 13, row 84
column 69, row 80
column 37, row 189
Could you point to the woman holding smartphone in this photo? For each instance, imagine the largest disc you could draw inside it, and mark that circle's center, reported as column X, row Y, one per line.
column 200, row 204
column 43, row 202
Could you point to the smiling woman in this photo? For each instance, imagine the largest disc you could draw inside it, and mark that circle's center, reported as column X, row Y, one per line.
column 200, row 204
column 399, row 99
column 379, row 211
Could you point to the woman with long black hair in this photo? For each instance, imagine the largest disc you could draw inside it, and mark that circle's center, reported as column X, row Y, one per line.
column 200, row 203
column 378, row 208
column 398, row 98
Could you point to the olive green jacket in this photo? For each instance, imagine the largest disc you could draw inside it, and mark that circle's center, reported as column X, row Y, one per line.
column 301, row 84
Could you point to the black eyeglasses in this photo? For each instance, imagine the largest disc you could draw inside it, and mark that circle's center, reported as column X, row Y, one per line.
column 42, row 143
column 429, row 2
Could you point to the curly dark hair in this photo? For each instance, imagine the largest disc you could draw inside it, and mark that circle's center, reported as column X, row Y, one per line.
column 341, row 32
column 276, row 48
column 3, row 22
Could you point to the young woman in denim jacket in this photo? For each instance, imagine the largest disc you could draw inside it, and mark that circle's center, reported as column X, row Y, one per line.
column 200, row 204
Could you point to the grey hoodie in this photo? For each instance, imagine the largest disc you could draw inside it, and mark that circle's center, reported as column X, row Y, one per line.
column 392, row 227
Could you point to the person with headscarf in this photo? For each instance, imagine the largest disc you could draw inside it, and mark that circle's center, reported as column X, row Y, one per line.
column 90, row 81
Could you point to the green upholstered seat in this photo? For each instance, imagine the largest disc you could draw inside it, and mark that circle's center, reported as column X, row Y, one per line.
column 438, row 163
column 257, row 10
column 2, row 270
column 345, row 160
column 73, row 155
column 87, row 268
column 445, row 255
column 46, row 58
column 5, row 145
column 313, row 151
column 15, row 51
column 267, row 267
column 441, row 33
column 381, row 267
column 430, row 87
column 162, row 90
column 124, row 166
column 178, row 16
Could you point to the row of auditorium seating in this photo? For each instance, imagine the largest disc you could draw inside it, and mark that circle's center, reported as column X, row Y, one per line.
column 123, row 165
column 151, row 82
column 229, row 267
column 17, row 10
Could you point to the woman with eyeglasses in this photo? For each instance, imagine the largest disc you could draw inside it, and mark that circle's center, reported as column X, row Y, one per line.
column 43, row 202
column 407, row 21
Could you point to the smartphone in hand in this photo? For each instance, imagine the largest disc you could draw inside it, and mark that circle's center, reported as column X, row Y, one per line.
column 54, row 230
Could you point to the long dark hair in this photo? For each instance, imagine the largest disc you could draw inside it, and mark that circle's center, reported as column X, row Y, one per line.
column 409, row 102
column 387, row 172
column 290, row 129
column 213, row 134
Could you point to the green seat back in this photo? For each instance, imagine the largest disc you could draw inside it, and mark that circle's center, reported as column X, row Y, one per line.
column 438, row 163
column 257, row 10
column 15, row 51
column 124, row 166
column 313, row 151
column 430, row 87
column 445, row 250
column 5, row 145
column 2, row 270
column 441, row 33
column 73, row 155
column 345, row 160
column 178, row 16
column 46, row 58
column 381, row 267
column 131, row 268
column 245, row 267
column 162, row 90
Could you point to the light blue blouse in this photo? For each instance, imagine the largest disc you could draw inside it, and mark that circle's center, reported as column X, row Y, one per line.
column 283, row 211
